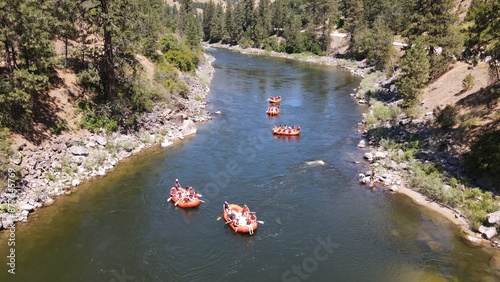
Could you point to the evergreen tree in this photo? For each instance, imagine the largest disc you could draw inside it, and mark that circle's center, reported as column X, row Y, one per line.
column 217, row 24
column 433, row 21
column 354, row 14
column 262, row 28
column 207, row 22
column 229, row 23
column 321, row 14
column 237, row 22
column 484, row 34
column 189, row 27
column 25, row 43
column 375, row 44
column 278, row 20
column 415, row 73
column 294, row 41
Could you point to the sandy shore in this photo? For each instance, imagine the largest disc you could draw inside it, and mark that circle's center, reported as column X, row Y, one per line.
column 453, row 216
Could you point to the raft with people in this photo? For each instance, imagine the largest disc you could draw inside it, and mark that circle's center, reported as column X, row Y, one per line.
column 240, row 219
column 286, row 130
column 184, row 197
column 276, row 99
column 273, row 111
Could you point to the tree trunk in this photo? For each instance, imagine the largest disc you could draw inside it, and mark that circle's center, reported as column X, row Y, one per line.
column 108, row 54
column 9, row 61
column 65, row 51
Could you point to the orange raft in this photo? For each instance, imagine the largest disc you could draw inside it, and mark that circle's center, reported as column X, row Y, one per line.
column 286, row 131
column 184, row 198
column 273, row 111
column 239, row 222
column 275, row 99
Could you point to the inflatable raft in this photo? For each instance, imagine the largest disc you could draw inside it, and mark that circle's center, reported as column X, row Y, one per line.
column 286, row 132
column 275, row 99
column 184, row 198
column 239, row 221
column 273, row 111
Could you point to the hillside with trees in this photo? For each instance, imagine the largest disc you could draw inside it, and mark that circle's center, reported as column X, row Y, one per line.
column 81, row 65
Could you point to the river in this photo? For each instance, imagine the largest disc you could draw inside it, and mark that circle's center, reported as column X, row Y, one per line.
column 319, row 223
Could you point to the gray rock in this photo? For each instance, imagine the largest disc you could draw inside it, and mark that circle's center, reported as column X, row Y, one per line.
column 79, row 151
column 361, row 144
column 48, row 202
column 27, row 207
column 368, row 156
column 380, row 155
column 56, row 165
column 488, row 232
column 188, row 127
column 17, row 159
column 494, row 217
column 78, row 160
column 101, row 140
column 7, row 222
column 75, row 182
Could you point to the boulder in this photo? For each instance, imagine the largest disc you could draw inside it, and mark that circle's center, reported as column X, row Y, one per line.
column 361, row 144
column 394, row 188
column 167, row 143
column 75, row 182
column 79, row 151
column 380, row 155
column 494, row 217
column 27, row 207
column 188, row 127
column 368, row 156
column 488, row 232
column 48, row 202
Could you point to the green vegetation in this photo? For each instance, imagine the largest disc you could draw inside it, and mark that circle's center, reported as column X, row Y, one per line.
column 468, row 82
column 101, row 40
column 446, row 117
column 484, row 156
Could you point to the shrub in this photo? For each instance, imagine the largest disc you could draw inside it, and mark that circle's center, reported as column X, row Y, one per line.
column 182, row 60
column 468, row 82
column 447, row 117
column 93, row 123
column 427, row 179
column 484, row 156
column 380, row 111
column 59, row 126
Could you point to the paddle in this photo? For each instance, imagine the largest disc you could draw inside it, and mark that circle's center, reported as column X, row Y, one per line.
column 201, row 200
column 168, row 200
column 176, row 203
column 260, row 221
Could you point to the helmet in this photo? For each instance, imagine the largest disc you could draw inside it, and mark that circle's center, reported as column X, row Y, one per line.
column 176, row 179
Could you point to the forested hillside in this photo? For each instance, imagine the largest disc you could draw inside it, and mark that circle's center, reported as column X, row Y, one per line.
column 44, row 44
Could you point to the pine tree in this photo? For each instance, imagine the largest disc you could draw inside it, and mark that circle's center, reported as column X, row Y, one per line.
column 433, row 21
column 262, row 27
column 208, row 16
column 228, row 23
column 484, row 34
column 189, row 26
column 415, row 73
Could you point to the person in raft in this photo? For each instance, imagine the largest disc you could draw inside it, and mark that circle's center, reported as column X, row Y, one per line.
column 245, row 210
column 177, row 184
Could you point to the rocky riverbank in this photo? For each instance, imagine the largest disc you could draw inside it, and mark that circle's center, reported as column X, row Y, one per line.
column 40, row 174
